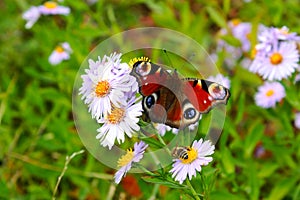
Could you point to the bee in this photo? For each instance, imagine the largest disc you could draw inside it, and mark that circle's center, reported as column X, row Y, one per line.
column 181, row 153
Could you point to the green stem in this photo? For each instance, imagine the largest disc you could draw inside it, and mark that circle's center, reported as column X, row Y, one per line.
column 154, row 192
column 144, row 169
column 195, row 195
column 203, row 183
column 163, row 142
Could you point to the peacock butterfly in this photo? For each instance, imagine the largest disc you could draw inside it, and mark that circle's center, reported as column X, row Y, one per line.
column 173, row 101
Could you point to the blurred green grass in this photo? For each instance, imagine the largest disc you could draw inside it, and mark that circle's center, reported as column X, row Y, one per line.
column 36, row 123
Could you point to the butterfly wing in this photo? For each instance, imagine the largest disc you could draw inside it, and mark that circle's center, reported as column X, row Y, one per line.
column 149, row 76
column 163, row 98
column 205, row 94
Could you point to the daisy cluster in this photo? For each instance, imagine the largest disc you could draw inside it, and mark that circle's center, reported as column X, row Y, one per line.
column 62, row 51
column 110, row 93
column 275, row 58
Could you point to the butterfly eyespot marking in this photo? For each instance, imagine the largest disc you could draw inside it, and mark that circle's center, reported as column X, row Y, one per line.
column 189, row 113
column 217, row 91
column 142, row 68
column 150, row 100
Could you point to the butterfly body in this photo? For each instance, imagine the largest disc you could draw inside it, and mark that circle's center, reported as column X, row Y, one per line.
column 174, row 101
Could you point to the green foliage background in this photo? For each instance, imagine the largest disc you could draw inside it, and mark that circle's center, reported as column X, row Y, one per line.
column 37, row 130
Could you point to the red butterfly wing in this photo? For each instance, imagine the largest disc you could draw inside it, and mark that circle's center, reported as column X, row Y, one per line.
column 150, row 76
column 204, row 95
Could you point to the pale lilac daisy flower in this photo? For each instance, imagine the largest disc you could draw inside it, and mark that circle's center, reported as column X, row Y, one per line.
column 52, row 8
column 259, row 56
column 31, row 16
column 284, row 34
column 197, row 157
column 297, row 78
column 246, row 63
column 105, row 84
column 297, row 120
column 222, row 80
column 61, row 52
column 280, row 63
column 241, row 31
column 269, row 94
column 266, row 38
column 118, row 122
column 269, row 38
column 132, row 156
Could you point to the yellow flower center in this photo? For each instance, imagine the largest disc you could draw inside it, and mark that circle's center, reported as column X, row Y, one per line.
column 125, row 159
column 248, row 36
column 235, row 22
column 192, row 155
column 102, row 88
column 59, row 49
column 283, row 31
column 253, row 53
column 50, row 4
column 269, row 93
column 276, row 58
column 116, row 115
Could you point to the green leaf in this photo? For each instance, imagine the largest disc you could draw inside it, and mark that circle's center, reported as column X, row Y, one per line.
column 282, row 188
column 267, row 170
column 152, row 142
column 227, row 161
column 231, row 40
column 165, row 182
column 225, row 196
column 216, row 17
column 241, row 106
column 292, row 95
column 254, row 135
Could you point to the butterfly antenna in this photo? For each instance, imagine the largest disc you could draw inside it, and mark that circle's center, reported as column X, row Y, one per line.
column 168, row 58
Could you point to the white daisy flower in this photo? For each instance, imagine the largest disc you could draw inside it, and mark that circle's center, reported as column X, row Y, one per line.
column 297, row 120
column 194, row 126
column 163, row 128
column 52, row 8
column 61, row 52
column 31, row 16
column 280, row 63
column 125, row 162
column 222, row 80
column 190, row 164
column 119, row 121
column 105, row 83
column 269, row 94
